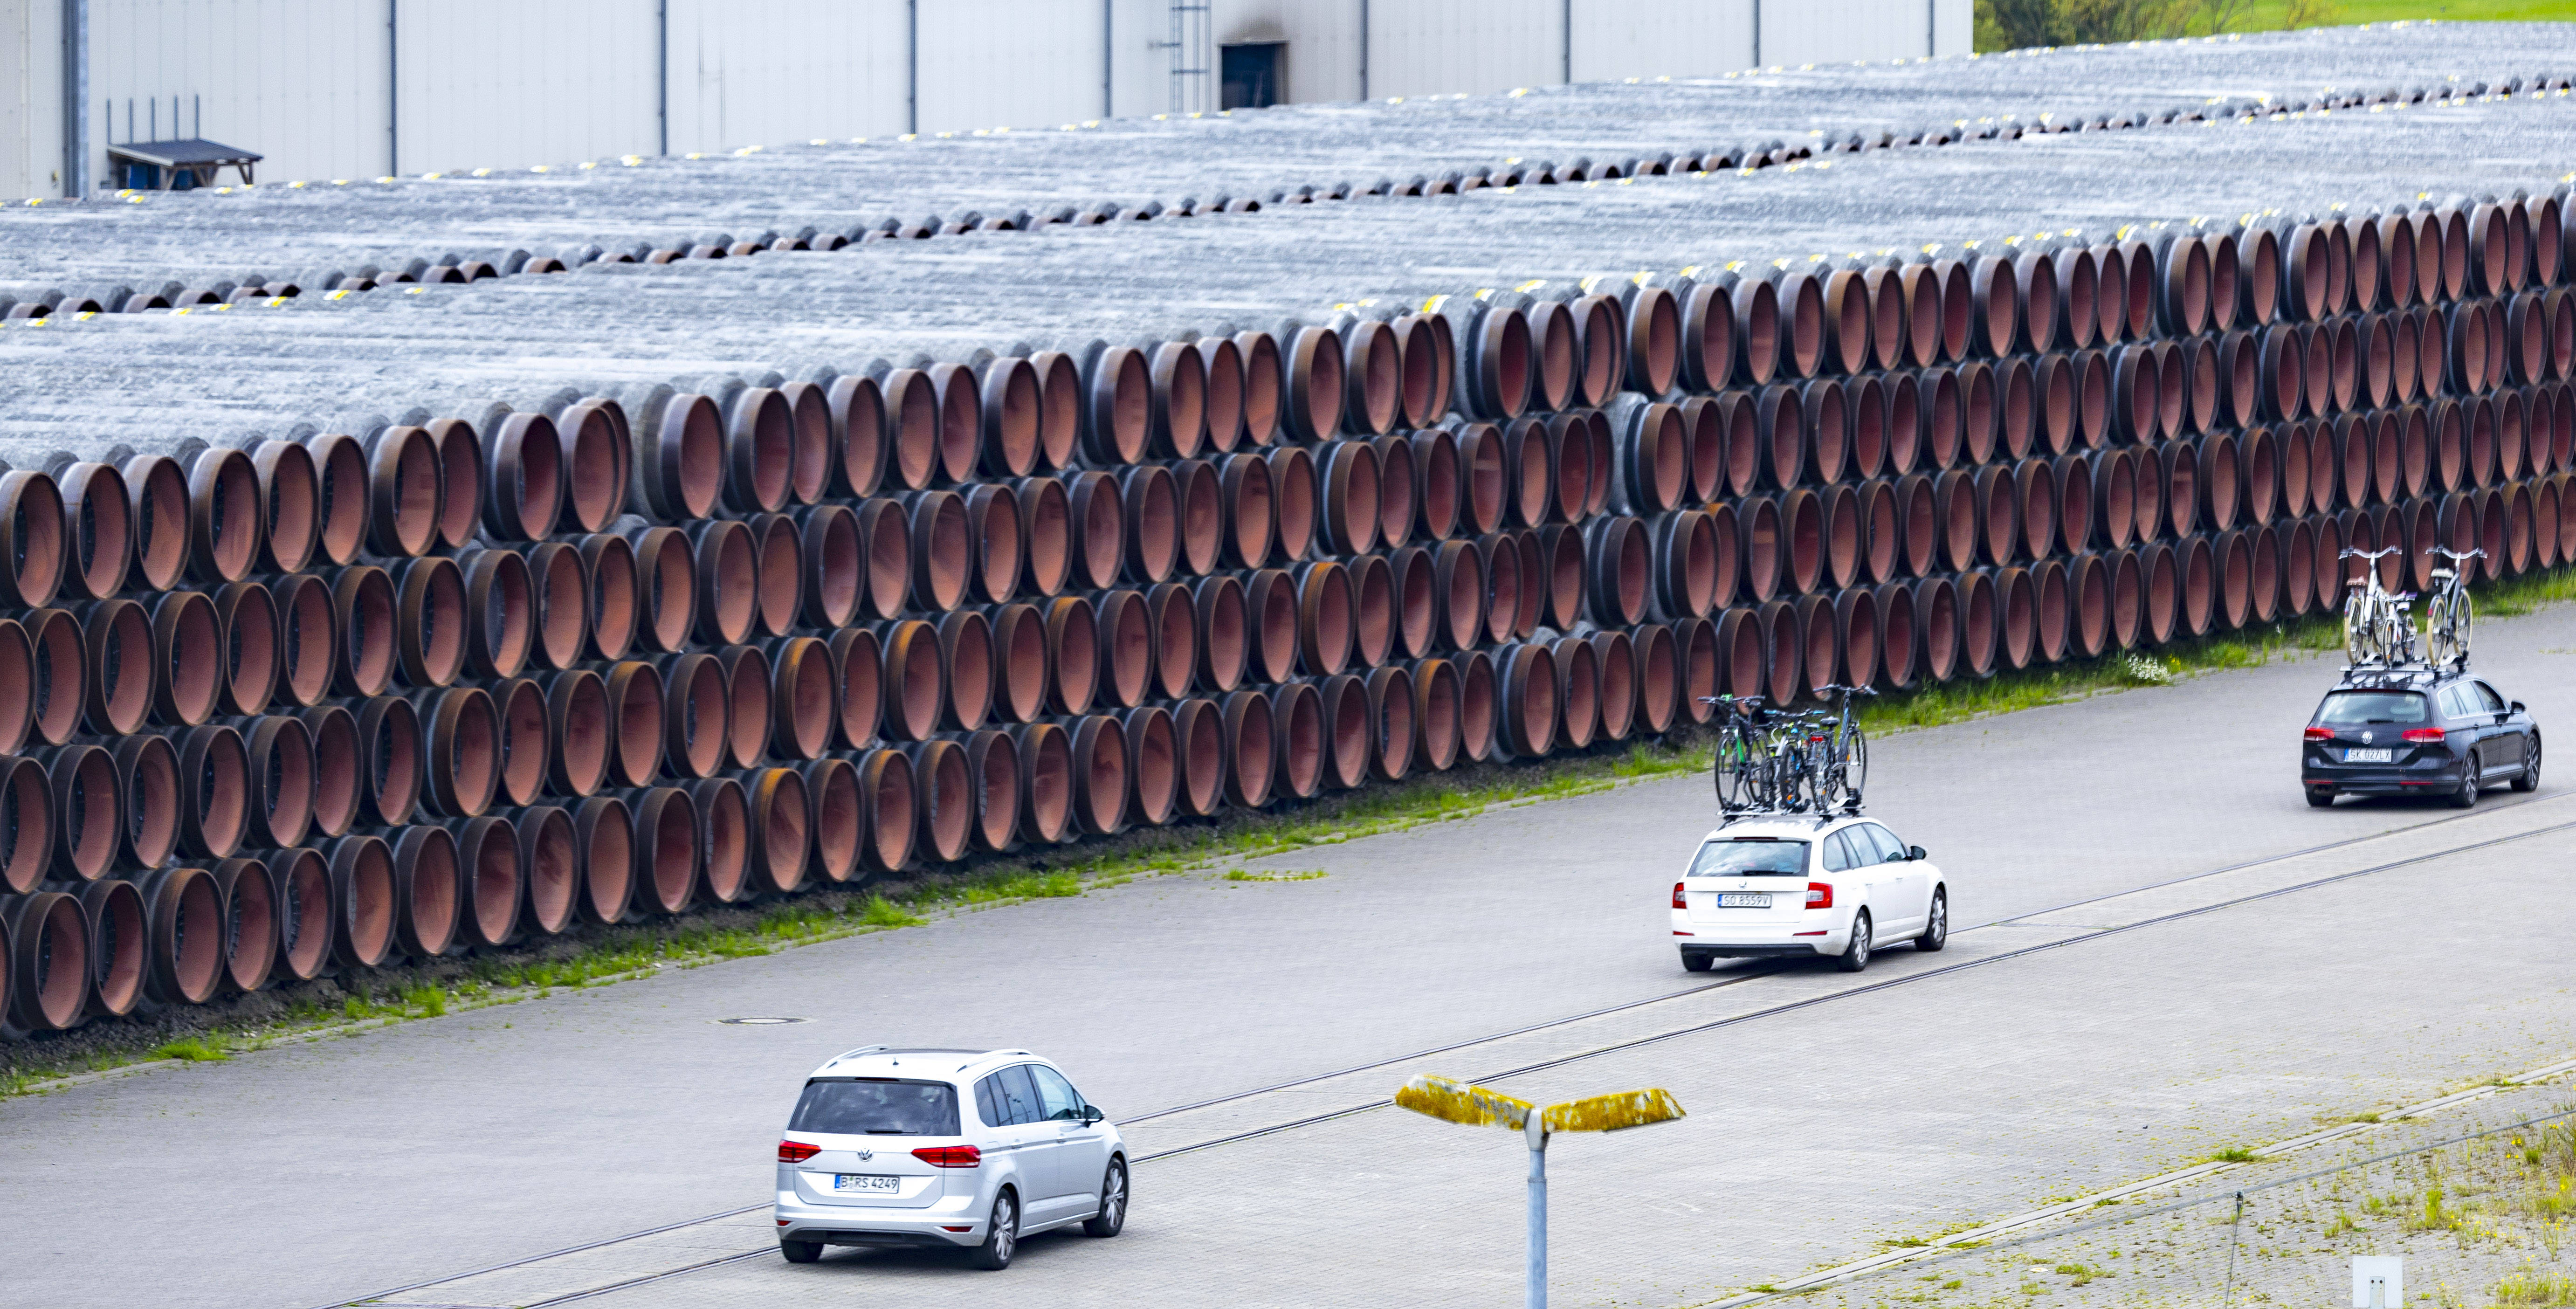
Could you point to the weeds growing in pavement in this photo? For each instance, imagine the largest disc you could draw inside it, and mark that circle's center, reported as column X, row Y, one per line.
column 193, row 1049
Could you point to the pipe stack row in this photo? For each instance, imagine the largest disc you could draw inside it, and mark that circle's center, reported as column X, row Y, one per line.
column 473, row 672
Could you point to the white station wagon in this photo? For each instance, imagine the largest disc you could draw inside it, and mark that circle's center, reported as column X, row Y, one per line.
column 970, row 1149
column 1797, row 887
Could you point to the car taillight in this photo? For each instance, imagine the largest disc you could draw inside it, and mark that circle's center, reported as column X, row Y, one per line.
column 1678, row 901
column 796, row 1152
column 949, row 1156
column 2423, row 735
column 2320, row 733
column 1820, row 895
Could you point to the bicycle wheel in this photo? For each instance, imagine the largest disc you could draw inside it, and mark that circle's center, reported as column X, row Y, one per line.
column 2439, row 625
column 1731, row 769
column 2464, row 616
column 1855, row 766
column 2357, row 629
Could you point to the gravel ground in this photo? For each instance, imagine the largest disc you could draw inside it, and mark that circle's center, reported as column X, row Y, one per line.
column 2478, row 1222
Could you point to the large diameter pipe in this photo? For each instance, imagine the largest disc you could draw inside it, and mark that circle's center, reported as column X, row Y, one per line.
column 49, row 972
column 667, row 850
column 1347, row 732
column 490, row 882
column 724, row 839
column 460, row 730
column 118, row 947
column 1154, row 765
column 1298, row 727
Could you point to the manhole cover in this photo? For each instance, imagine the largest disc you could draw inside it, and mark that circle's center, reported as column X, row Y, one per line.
column 760, row 1022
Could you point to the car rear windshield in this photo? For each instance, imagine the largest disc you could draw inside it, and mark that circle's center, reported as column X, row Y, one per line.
column 874, row 1106
column 2345, row 708
column 1751, row 857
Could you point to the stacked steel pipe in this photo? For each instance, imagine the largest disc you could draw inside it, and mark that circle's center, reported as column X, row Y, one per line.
column 479, row 673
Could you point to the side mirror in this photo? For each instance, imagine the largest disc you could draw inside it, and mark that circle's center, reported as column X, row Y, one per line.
column 2518, row 708
column 1091, row 1114
column 1915, row 852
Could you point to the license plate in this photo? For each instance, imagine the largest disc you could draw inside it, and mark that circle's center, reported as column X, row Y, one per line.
column 2357, row 756
column 1744, row 899
column 862, row 1182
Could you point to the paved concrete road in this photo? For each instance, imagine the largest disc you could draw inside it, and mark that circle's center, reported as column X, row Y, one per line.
column 338, row 1168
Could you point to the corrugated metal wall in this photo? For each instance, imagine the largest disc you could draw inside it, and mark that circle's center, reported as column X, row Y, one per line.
column 507, row 84
column 356, row 88
column 302, row 81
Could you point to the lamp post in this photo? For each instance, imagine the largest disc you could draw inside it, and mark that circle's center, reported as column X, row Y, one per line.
column 1477, row 1106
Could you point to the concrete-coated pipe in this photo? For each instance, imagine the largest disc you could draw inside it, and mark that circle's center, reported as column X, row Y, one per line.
column 429, row 887
column 610, row 606
column 1373, row 610
column 1325, row 618
column 1296, row 496
column 1527, row 693
column 461, row 737
column 664, row 848
column 724, row 840
column 1615, row 677
column 966, row 670
column 1154, row 765
column 1484, row 471
column 914, row 695
column 1351, row 505
column 1125, row 656
column 780, row 835
column 117, row 665
column 1299, row 732
column 1100, row 774
column 666, row 585
column 2200, row 585
column 1200, row 494
column 98, row 516
column 526, row 736
column 634, row 724
column 1151, row 503
column 779, row 575
column 27, row 808
column 117, row 947
column 430, row 625
column 1347, row 731
column 388, row 742
column 2162, row 594
column 1530, row 452
column 183, row 921
column 187, row 646
column 281, row 775
column 158, row 513
column 490, row 882
column 48, row 982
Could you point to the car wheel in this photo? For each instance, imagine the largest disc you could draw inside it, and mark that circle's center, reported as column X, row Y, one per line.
column 2320, row 799
column 1936, row 932
column 2467, row 796
column 2530, row 779
column 800, row 1252
column 1113, row 1202
column 1855, row 956
column 1697, row 963
column 1001, row 1236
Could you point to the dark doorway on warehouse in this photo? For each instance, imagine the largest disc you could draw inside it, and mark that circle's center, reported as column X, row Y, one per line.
column 1256, row 75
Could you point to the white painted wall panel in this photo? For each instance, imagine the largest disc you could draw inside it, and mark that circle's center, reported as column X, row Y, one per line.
column 21, row 172
column 506, row 84
column 1008, row 63
column 1323, row 39
column 784, row 70
column 1839, row 31
column 300, row 81
column 510, row 84
column 1474, row 47
column 1618, row 39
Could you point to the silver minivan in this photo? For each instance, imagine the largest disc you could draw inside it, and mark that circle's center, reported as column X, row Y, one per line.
column 973, row 1149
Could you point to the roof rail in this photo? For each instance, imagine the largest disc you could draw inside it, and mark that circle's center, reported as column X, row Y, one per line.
column 1820, row 817
column 865, row 1049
